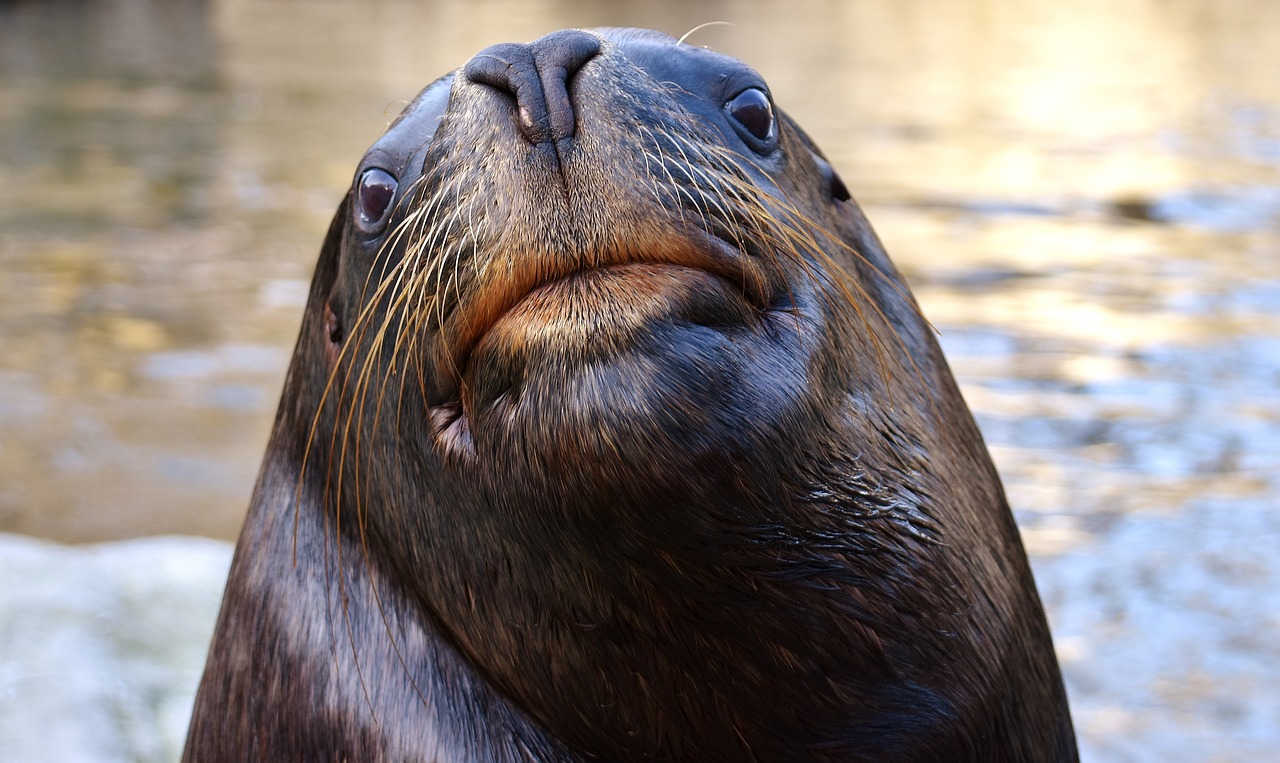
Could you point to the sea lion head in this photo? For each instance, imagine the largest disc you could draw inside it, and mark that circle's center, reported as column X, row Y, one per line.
column 595, row 238
column 604, row 365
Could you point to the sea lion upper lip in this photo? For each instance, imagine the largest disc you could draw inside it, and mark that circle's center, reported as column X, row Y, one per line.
column 700, row 250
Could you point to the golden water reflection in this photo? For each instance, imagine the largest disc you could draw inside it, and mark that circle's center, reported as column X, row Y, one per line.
column 169, row 168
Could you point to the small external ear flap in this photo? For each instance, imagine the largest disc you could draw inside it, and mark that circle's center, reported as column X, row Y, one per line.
column 326, row 273
column 313, row 339
column 854, row 228
column 332, row 330
column 835, row 185
column 838, row 189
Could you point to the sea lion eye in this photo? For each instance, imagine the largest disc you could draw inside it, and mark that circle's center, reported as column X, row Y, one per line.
column 752, row 110
column 374, row 193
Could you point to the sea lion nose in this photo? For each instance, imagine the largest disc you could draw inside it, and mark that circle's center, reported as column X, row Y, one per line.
column 537, row 76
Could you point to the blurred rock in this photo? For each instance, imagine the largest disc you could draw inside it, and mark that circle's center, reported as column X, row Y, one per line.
column 101, row 647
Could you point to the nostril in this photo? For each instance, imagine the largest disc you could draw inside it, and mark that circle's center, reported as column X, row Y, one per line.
column 562, row 54
column 506, row 67
column 536, row 76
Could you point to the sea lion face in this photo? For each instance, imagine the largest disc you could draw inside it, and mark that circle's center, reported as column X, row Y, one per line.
column 606, row 341
column 628, row 256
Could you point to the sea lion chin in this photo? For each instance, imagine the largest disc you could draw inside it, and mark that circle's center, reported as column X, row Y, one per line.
column 612, row 433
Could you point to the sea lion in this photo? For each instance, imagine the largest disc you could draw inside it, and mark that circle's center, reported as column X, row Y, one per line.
column 612, row 434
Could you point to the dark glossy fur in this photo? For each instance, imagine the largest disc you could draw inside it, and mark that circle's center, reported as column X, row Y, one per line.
column 646, row 512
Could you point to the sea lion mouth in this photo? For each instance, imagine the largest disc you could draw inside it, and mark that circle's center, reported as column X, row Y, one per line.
column 589, row 311
column 550, row 315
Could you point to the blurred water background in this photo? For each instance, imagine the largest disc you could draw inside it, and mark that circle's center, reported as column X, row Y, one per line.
column 1084, row 195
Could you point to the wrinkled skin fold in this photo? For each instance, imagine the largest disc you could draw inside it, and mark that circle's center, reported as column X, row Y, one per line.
column 611, row 433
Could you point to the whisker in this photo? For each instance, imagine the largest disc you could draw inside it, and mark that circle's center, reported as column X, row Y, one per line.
column 700, row 27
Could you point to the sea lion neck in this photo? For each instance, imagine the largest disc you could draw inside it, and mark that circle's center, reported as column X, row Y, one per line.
column 677, row 578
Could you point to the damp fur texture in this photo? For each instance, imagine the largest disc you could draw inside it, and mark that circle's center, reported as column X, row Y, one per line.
column 618, row 437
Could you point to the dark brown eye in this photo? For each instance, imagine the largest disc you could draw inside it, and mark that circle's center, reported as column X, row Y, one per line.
column 373, row 196
column 752, row 110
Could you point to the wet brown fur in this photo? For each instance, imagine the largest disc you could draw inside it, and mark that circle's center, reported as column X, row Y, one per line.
column 630, row 446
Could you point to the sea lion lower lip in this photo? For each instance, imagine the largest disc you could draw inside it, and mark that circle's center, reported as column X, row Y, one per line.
column 593, row 315
column 596, row 311
column 583, row 317
column 620, row 289
column 701, row 256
